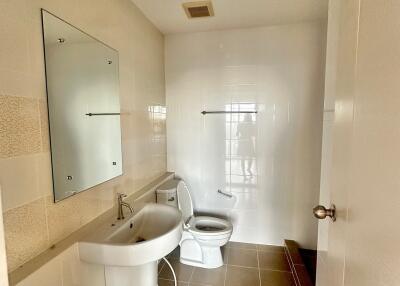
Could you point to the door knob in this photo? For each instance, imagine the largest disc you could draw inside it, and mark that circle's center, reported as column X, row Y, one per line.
column 320, row 212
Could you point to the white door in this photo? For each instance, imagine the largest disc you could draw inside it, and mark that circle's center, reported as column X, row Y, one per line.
column 362, row 176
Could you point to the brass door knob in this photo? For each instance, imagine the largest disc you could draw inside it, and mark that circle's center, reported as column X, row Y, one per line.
column 320, row 212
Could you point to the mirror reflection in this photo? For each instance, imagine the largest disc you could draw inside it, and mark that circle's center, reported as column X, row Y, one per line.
column 240, row 148
column 84, row 110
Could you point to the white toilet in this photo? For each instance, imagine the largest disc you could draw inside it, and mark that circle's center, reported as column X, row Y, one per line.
column 203, row 236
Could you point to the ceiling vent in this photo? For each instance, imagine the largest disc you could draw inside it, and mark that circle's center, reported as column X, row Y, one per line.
column 198, row 9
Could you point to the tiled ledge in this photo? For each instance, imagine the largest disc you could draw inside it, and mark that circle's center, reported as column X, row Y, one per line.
column 34, row 264
column 299, row 270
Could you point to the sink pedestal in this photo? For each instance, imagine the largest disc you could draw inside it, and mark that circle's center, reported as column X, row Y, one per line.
column 145, row 274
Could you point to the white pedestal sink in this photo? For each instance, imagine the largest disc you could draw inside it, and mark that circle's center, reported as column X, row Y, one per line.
column 130, row 248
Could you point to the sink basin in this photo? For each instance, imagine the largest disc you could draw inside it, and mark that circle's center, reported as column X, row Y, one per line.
column 142, row 238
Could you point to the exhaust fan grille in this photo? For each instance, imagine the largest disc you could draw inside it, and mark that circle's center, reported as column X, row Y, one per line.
column 198, row 9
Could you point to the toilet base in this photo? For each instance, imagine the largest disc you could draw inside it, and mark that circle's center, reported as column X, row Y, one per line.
column 200, row 264
column 195, row 254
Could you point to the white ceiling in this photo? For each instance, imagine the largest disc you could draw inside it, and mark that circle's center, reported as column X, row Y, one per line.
column 169, row 17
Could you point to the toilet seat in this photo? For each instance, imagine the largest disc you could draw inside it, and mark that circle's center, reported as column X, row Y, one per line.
column 209, row 226
column 203, row 236
column 204, row 226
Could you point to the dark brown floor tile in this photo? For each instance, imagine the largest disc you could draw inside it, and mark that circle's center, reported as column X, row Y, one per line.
column 276, row 278
column 175, row 253
column 241, row 276
column 212, row 277
column 182, row 271
column 160, row 266
column 273, row 261
column 242, row 257
column 234, row 244
column 163, row 282
column 270, row 248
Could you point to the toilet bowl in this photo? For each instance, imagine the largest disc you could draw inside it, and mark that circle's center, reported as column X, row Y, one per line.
column 203, row 236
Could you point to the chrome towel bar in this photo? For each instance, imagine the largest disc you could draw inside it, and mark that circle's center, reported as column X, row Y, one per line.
column 225, row 194
column 101, row 114
column 225, row 112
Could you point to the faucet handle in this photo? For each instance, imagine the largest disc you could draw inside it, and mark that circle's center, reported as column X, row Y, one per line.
column 121, row 196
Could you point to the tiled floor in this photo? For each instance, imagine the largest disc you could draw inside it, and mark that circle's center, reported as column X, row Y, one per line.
column 244, row 265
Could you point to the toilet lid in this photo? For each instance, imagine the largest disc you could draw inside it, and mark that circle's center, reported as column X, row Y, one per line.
column 184, row 201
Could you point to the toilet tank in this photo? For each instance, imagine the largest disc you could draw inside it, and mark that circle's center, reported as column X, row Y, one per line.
column 166, row 193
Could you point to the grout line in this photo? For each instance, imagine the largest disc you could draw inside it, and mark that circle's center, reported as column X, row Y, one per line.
column 226, row 254
column 256, row 249
column 191, row 274
column 276, row 270
column 226, row 274
column 271, row 251
column 179, row 281
column 227, row 265
column 259, row 271
column 162, row 267
column 251, row 267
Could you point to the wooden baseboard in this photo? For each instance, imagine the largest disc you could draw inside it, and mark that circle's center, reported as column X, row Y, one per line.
column 299, row 269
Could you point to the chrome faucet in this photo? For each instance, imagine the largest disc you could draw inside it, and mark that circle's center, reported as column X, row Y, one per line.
column 121, row 204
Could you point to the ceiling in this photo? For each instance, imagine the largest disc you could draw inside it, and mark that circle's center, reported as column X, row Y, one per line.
column 170, row 18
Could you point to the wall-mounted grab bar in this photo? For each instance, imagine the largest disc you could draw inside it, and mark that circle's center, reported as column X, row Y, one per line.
column 101, row 114
column 225, row 112
column 224, row 194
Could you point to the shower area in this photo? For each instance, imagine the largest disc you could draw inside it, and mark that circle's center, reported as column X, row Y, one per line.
column 244, row 126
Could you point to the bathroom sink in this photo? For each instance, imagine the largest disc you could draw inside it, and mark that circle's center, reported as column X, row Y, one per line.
column 144, row 237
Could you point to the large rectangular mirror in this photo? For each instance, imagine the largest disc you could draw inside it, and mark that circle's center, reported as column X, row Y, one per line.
column 84, row 110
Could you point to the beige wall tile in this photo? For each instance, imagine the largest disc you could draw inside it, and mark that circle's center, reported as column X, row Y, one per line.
column 20, row 180
column 44, row 126
column 71, row 266
column 45, row 180
column 25, row 164
column 48, row 275
column 13, row 32
column 63, row 217
column 21, row 57
column 3, row 260
column 90, row 205
column 25, row 232
column 19, row 126
column 14, row 82
column 67, row 270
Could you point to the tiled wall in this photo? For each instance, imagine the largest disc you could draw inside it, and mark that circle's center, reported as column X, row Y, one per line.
column 66, row 268
column 32, row 221
column 269, row 162
column 3, row 261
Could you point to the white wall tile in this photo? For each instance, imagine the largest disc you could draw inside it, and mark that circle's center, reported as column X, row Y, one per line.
column 278, row 69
